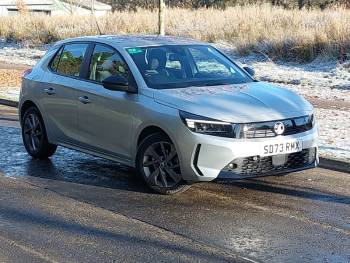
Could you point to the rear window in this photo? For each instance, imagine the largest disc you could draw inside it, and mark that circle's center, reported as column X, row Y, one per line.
column 69, row 59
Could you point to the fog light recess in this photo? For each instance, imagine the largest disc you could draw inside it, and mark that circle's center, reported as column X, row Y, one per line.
column 232, row 166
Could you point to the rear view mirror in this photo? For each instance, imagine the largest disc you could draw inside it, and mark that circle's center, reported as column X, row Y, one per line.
column 116, row 82
column 174, row 57
column 250, row 71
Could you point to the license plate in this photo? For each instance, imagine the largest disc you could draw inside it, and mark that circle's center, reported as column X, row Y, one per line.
column 291, row 146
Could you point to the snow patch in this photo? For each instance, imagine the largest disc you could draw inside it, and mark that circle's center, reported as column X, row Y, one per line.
column 13, row 53
column 328, row 80
column 334, row 133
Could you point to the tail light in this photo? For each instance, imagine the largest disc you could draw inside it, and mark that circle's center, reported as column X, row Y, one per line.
column 26, row 72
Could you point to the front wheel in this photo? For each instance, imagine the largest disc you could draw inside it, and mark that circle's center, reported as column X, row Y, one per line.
column 158, row 164
column 34, row 135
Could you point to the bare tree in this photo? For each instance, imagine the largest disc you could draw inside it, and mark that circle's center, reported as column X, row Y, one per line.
column 69, row 6
column 161, row 21
column 94, row 16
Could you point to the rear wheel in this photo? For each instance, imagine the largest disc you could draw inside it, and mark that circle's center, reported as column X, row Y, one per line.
column 34, row 135
column 158, row 164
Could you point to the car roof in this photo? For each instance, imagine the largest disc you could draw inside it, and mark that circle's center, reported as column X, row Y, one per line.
column 130, row 41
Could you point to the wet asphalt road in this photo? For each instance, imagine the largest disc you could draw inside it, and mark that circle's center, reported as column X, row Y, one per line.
column 78, row 208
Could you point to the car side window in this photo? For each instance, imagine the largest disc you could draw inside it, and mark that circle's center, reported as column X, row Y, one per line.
column 54, row 62
column 106, row 62
column 71, row 59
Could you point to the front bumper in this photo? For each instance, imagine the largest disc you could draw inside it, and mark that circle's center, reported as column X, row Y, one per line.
column 256, row 166
column 205, row 158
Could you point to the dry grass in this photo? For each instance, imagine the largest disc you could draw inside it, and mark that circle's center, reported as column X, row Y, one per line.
column 288, row 34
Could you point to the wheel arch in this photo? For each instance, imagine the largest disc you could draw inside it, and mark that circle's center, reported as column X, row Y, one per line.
column 147, row 131
column 25, row 106
column 154, row 129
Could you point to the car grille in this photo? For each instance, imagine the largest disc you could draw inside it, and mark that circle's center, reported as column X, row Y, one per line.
column 256, row 165
column 266, row 129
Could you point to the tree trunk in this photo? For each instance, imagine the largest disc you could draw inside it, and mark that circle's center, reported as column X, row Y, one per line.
column 113, row 5
column 301, row 4
column 161, row 22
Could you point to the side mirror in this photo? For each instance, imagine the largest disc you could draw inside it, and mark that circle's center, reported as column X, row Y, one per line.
column 116, row 82
column 250, row 71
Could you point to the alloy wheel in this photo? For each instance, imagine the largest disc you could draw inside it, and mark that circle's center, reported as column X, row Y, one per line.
column 161, row 165
column 33, row 133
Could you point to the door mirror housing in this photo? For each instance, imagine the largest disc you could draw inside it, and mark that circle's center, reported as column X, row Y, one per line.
column 250, row 71
column 118, row 83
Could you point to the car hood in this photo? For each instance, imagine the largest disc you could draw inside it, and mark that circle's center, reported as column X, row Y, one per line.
column 240, row 103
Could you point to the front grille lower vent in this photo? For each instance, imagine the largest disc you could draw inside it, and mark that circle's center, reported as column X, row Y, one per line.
column 256, row 165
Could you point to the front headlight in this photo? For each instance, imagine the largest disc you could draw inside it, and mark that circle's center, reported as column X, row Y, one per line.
column 204, row 125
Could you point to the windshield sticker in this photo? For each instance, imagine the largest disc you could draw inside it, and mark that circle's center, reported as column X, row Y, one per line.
column 135, row 50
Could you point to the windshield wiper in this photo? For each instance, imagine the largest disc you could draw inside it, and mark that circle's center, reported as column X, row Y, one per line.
column 216, row 84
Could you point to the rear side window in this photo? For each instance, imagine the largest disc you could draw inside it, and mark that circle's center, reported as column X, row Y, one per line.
column 106, row 62
column 71, row 59
column 56, row 59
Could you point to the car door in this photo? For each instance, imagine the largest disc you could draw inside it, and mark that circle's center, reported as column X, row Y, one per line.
column 105, row 116
column 60, row 94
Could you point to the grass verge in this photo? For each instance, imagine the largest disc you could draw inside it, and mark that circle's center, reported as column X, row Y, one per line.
column 299, row 35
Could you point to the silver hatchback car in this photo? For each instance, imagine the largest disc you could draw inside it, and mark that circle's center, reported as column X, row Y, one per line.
column 178, row 110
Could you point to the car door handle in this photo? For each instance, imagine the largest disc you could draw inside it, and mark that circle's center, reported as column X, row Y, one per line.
column 84, row 100
column 50, row 91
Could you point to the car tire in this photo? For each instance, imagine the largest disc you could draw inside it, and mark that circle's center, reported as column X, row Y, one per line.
column 158, row 164
column 34, row 135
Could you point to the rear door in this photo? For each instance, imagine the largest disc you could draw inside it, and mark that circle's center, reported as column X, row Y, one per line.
column 60, row 93
column 105, row 116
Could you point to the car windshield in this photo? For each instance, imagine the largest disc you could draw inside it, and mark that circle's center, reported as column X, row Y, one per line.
column 181, row 66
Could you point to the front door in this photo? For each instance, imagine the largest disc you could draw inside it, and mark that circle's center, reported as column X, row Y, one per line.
column 105, row 116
